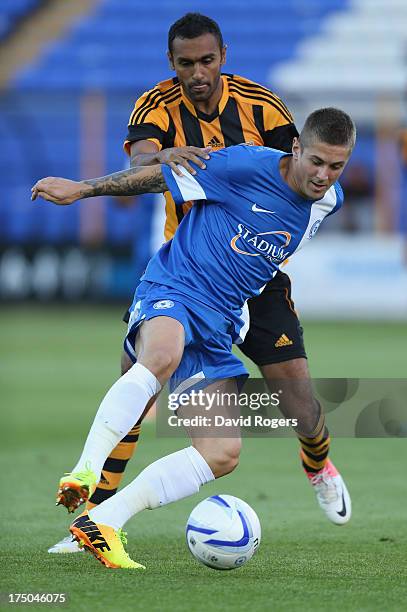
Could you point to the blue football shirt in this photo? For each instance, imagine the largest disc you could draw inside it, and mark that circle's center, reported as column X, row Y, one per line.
column 245, row 222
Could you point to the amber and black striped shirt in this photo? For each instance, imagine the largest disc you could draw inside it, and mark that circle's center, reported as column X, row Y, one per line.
column 247, row 112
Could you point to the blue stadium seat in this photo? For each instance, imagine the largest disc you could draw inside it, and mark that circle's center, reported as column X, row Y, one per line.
column 11, row 11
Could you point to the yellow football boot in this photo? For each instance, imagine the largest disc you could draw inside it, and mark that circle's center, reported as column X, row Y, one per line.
column 75, row 489
column 106, row 544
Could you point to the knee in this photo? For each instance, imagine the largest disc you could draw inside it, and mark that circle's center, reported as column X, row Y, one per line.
column 222, row 458
column 162, row 363
column 226, row 460
column 227, row 463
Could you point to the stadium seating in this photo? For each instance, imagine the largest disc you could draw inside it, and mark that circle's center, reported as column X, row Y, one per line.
column 120, row 49
column 122, row 44
column 364, row 50
column 11, row 11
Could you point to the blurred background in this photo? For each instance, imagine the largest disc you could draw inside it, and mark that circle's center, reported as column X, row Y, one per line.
column 70, row 73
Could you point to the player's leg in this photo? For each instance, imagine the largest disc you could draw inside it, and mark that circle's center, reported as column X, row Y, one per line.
column 330, row 489
column 166, row 480
column 211, row 454
column 112, row 471
column 297, row 401
column 115, row 465
column 160, row 344
column 179, row 474
column 274, row 342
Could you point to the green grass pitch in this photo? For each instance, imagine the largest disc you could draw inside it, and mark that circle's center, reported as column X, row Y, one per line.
column 55, row 365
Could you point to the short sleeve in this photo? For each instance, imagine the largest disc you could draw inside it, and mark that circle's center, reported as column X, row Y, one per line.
column 148, row 120
column 339, row 198
column 208, row 184
column 279, row 128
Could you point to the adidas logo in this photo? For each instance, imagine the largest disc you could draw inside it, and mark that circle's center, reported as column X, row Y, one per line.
column 283, row 341
column 215, row 142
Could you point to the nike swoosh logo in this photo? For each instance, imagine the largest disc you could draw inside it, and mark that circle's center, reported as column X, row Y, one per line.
column 343, row 511
column 256, row 208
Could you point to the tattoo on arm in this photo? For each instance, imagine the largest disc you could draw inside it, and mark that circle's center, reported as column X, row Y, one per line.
column 143, row 159
column 144, row 179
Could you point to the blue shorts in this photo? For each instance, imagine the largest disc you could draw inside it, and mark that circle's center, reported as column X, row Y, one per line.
column 208, row 335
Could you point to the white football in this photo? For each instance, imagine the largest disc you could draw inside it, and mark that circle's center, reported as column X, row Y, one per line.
column 223, row 532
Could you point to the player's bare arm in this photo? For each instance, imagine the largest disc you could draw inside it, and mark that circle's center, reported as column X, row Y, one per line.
column 134, row 181
column 146, row 153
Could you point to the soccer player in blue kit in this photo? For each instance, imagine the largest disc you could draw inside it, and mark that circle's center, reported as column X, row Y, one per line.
column 255, row 207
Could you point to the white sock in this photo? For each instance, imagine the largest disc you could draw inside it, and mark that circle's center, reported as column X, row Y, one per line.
column 120, row 409
column 170, row 478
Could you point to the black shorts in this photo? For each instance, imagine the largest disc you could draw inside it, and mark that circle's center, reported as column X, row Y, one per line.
column 275, row 333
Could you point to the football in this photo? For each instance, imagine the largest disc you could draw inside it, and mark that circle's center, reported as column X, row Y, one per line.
column 223, row 532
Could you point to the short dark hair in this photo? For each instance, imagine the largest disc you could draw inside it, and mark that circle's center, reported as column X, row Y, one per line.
column 330, row 125
column 193, row 25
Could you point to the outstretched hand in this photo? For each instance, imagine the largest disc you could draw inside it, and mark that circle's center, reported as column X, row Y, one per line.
column 181, row 156
column 58, row 190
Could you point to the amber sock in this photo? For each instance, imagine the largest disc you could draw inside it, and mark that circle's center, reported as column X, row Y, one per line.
column 114, row 466
column 315, row 447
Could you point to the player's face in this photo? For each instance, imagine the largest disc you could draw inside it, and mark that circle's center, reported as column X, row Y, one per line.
column 317, row 167
column 197, row 62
